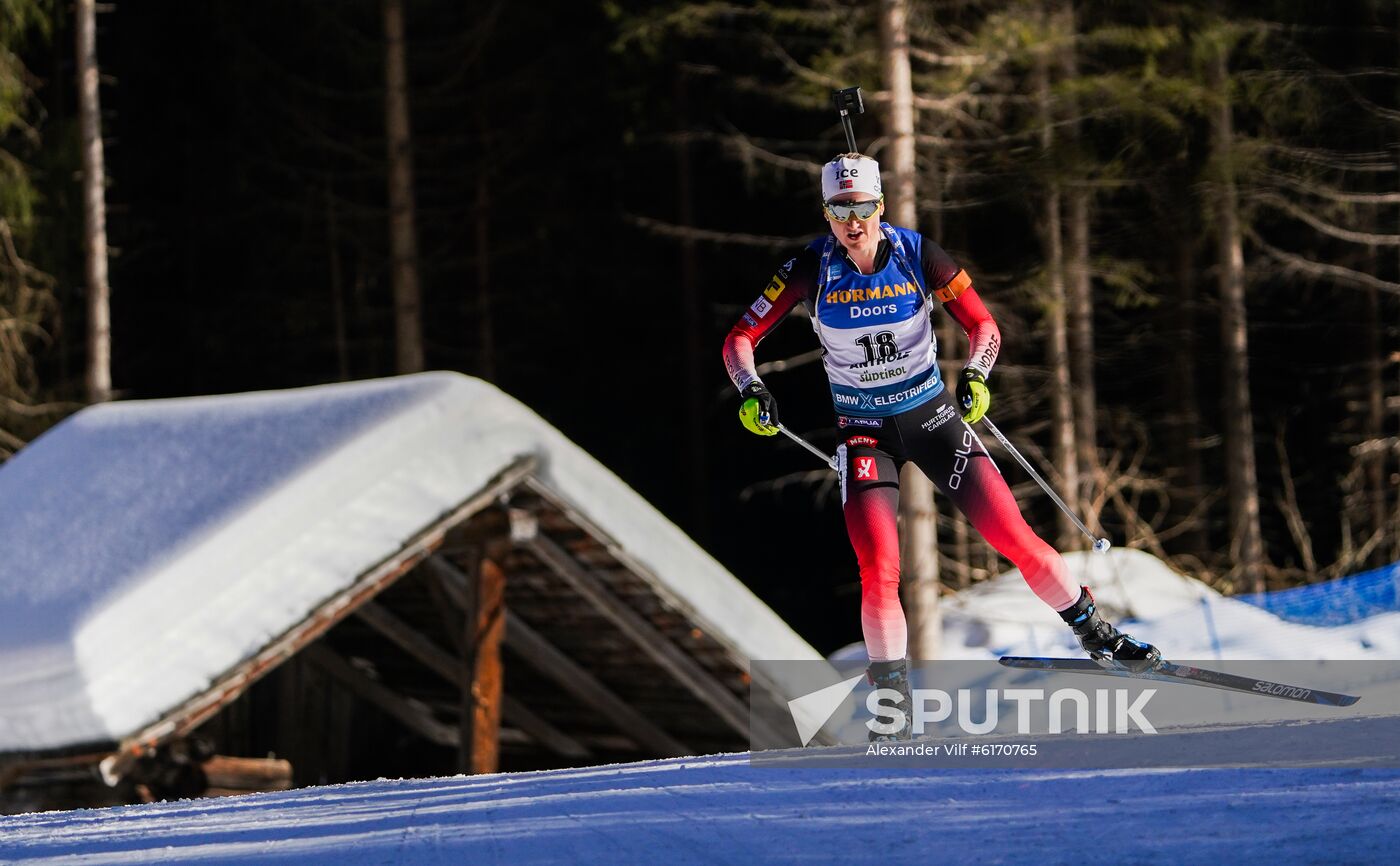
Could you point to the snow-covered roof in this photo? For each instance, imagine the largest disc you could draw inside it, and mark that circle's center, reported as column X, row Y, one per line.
column 149, row 547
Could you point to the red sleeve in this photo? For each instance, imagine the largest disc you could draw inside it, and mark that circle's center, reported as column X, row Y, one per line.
column 788, row 286
column 960, row 299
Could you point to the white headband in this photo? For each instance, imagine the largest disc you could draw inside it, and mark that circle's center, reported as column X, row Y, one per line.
column 844, row 174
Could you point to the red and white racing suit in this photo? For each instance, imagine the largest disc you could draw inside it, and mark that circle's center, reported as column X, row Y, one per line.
column 880, row 356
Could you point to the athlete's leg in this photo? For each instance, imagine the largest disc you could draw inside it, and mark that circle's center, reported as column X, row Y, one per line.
column 987, row 501
column 953, row 457
column 870, row 500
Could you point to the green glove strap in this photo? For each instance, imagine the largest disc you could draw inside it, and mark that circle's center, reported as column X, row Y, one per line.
column 748, row 416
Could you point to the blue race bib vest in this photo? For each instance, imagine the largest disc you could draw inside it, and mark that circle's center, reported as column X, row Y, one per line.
column 881, row 353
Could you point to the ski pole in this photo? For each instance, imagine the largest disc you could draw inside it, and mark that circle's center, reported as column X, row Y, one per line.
column 826, row 458
column 1101, row 545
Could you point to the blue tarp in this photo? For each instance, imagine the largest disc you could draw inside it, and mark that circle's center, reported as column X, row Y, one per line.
column 1336, row 602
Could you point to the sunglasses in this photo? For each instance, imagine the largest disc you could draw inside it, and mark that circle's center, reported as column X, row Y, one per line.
column 862, row 210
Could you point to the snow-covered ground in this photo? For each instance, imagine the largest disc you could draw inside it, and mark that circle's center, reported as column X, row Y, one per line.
column 720, row 810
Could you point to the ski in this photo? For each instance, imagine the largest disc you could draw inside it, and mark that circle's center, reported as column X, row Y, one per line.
column 1170, row 672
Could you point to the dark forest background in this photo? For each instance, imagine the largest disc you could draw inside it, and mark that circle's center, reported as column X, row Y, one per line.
column 602, row 187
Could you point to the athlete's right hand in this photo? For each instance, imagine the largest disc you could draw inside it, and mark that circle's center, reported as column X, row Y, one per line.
column 759, row 412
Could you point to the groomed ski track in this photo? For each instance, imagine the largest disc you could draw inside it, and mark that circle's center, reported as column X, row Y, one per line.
column 719, row 809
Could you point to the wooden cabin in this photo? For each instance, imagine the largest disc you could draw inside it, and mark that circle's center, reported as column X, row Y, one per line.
column 405, row 577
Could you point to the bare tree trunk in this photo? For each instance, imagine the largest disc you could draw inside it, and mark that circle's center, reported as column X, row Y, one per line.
column 403, row 235
column 1185, row 425
column 894, row 44
column 1395, row 514
column 1375, row 408
column 1081, row 344
column 1242, row 476
column 1063, row 450
column 1079, row 286
column 918, row 519
column 99, row 331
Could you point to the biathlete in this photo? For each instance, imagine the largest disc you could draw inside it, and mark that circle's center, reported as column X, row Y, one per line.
column 868, row 288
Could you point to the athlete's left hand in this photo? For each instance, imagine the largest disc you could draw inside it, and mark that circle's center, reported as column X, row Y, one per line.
column 973, row 396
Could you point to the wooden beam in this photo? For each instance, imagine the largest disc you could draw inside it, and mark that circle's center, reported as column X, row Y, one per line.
column 541, row 731
column 483, row 682
column 411, row 713
column 235, row 775
column 448, row 616
column 634, row 565
column 411, row 641
column 452, row 579
column 445, row 665
column 647, row 637
column 549, row 660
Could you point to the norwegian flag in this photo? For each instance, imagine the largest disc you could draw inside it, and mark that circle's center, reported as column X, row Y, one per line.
column 847, row 184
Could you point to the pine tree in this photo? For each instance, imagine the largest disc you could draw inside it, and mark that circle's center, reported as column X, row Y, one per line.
column 26, row 297
column 403, row 211
column 99, row 292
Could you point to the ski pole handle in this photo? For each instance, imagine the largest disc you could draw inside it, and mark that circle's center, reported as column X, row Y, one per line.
column 1101, row 545
column 826, row 458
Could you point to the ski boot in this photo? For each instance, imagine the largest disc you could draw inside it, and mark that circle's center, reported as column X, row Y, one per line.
column 893, row 675
column 1102, row 641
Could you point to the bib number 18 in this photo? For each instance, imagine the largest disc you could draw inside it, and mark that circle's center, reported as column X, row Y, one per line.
column 879, row 348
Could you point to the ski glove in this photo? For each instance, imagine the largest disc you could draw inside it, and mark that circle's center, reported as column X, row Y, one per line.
column 973, row 395
column 759, row 412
